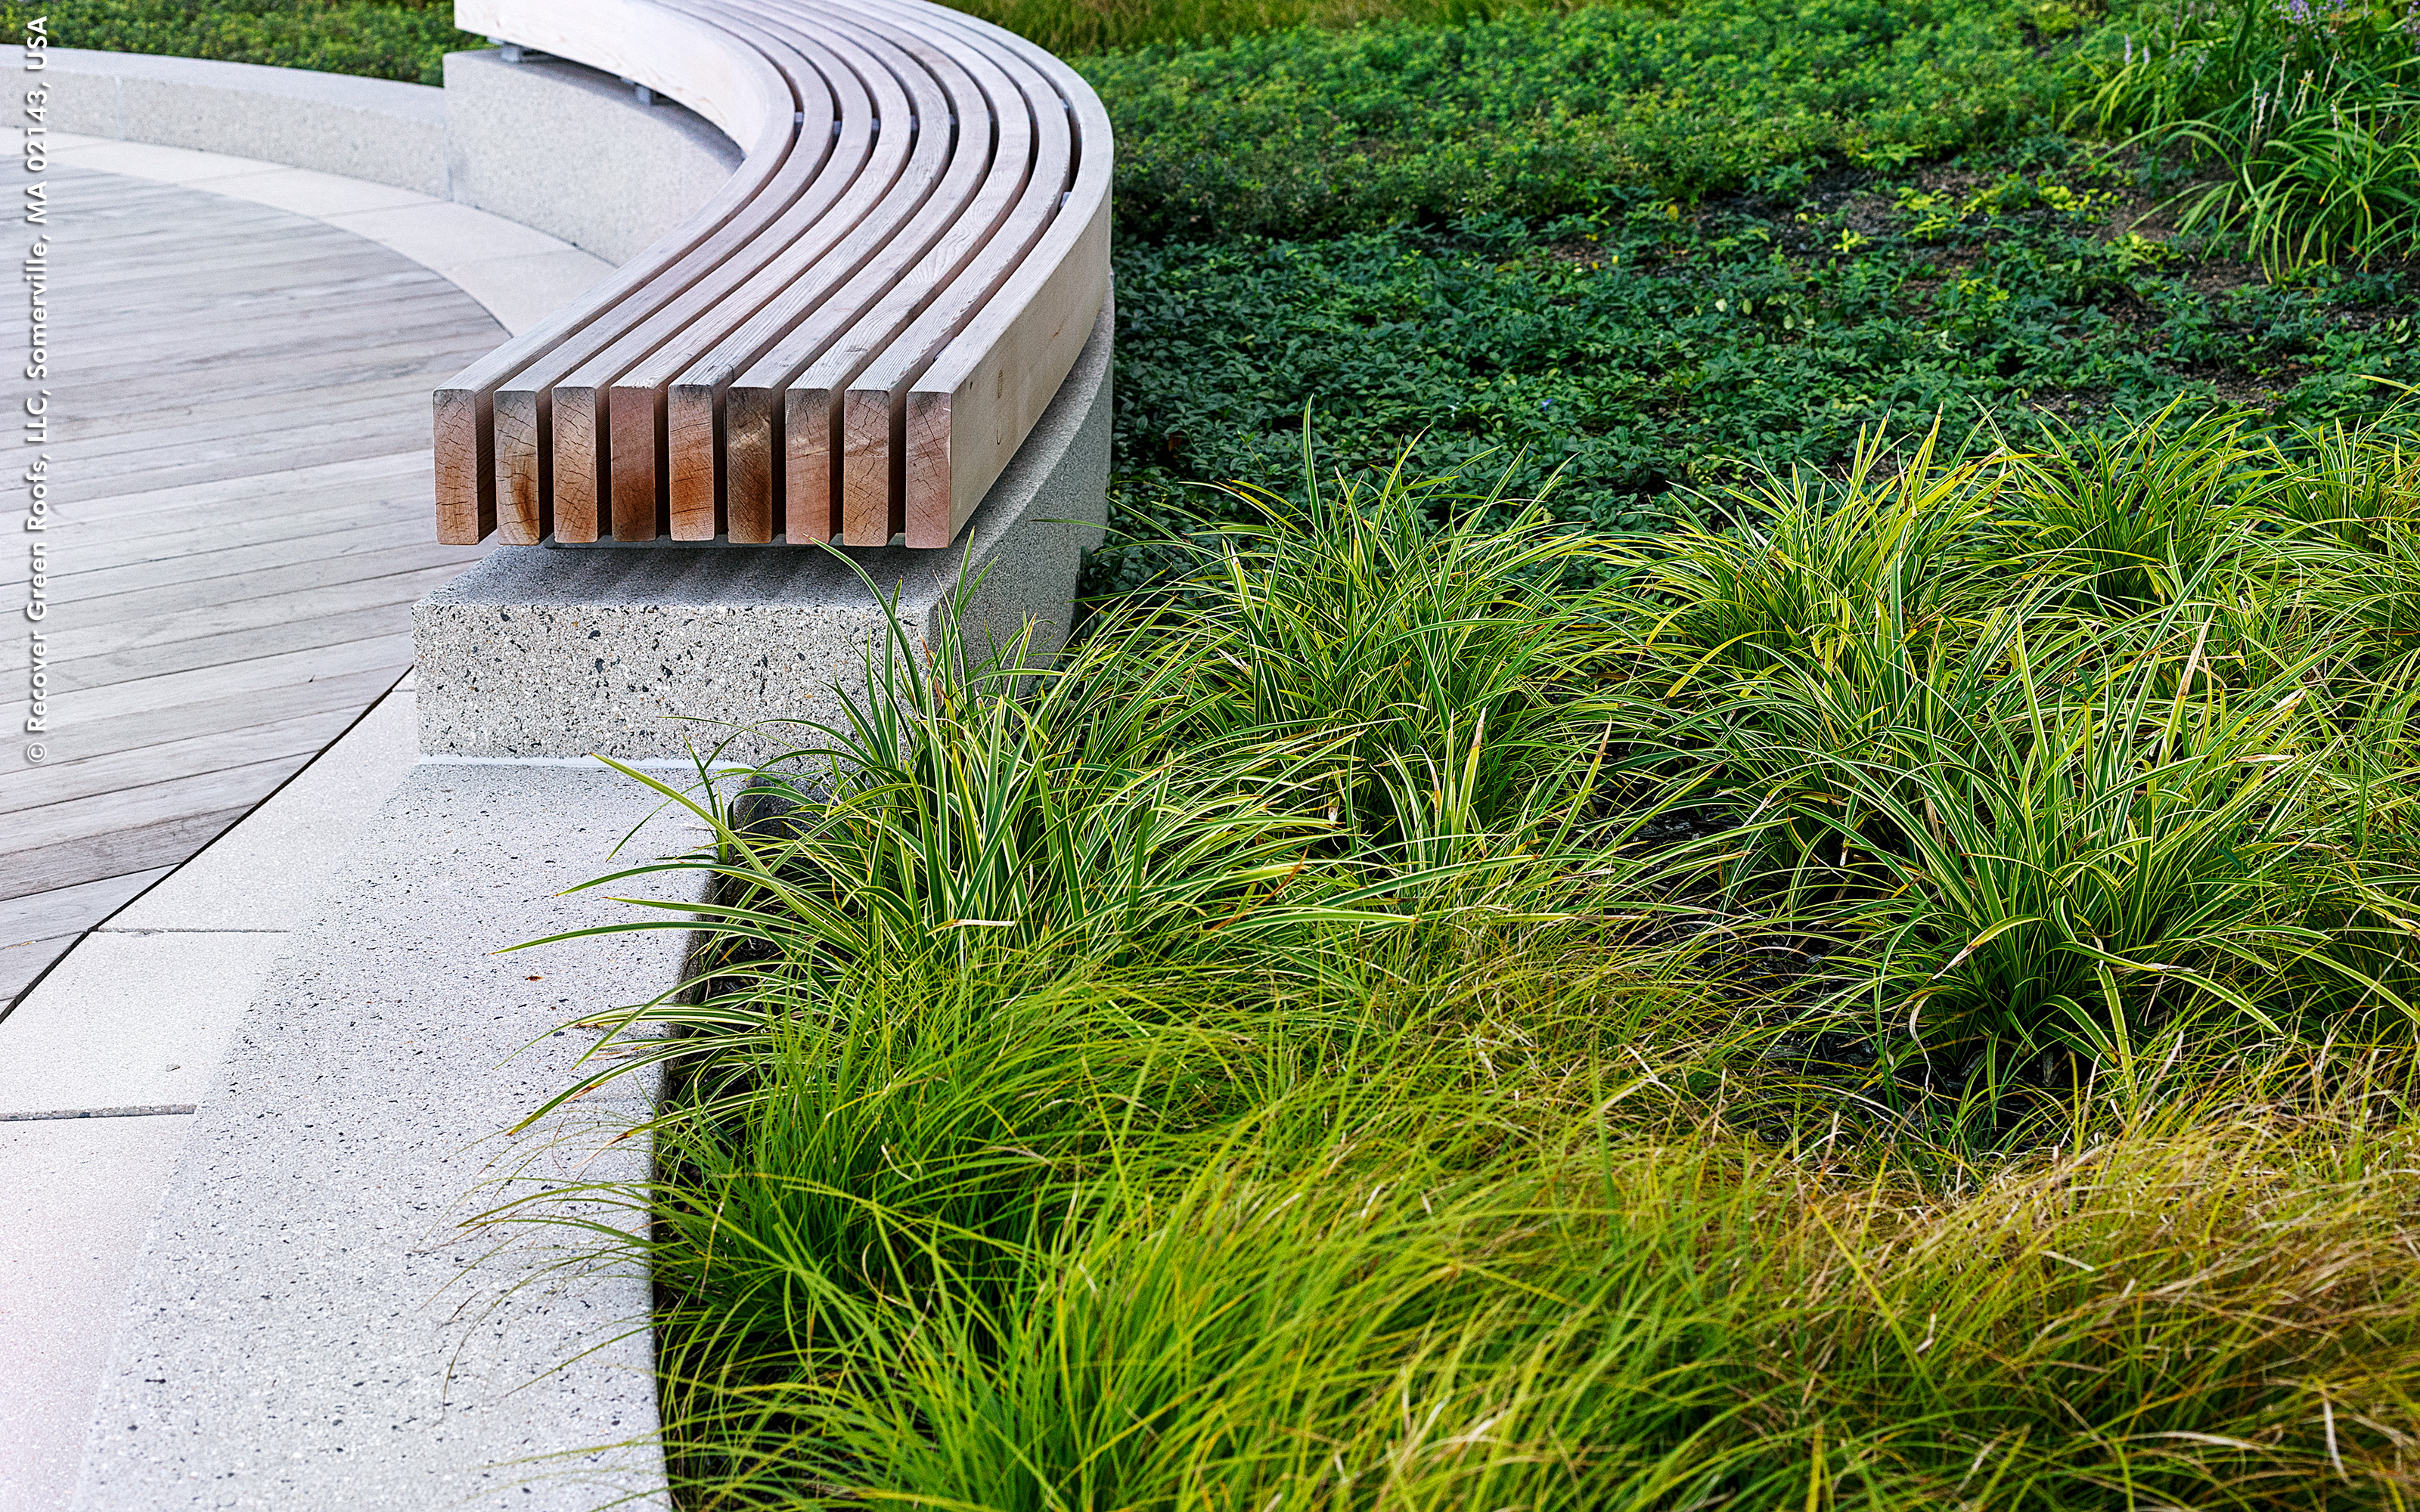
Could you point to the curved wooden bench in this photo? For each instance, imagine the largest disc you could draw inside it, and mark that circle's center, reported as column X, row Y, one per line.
column 852, row 338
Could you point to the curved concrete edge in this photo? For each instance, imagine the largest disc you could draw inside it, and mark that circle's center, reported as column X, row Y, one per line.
column 544, row 653
column 561, row 147
column 518, row 273
column 315, row 1321
column 139, row 1015
column 370, row 129
column 549, row 144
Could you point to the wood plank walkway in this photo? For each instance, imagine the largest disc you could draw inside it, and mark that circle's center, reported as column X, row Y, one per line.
column 240, row 486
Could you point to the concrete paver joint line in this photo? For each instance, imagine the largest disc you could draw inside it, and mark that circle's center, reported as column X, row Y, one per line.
column 106, row 928
column 158, row 1110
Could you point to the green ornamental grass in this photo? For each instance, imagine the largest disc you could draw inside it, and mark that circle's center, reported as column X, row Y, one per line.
column 1849, row 1010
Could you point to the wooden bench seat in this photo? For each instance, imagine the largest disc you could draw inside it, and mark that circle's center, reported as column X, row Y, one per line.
column 848, row 342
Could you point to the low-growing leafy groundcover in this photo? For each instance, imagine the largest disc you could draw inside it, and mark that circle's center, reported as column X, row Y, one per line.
column 402, row 40
column 1908, row 1002
column 1658, row 245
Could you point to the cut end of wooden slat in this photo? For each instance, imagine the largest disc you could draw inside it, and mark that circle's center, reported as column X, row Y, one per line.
column 465, row 507
column 931, row 519
column 519, row 487
column 630, row 464
column 578, row 490
column 810, row 466
column 748, row 416
column 690, row 445
column 865, row 470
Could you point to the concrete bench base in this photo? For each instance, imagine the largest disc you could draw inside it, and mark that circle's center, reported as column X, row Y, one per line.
column 644, row 653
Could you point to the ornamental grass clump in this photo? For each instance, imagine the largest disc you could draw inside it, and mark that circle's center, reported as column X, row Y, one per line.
column 2300, row 113
column 1905, row 997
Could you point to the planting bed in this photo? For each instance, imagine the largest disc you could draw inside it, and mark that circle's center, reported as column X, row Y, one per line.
column 1857, row 952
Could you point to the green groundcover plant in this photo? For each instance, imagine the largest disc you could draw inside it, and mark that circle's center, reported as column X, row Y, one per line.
column 1653, row 247
column 405, row 40
column 2301, row 113
column 1906, row 995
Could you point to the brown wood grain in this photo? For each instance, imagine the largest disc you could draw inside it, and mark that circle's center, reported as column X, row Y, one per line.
column 864, row 335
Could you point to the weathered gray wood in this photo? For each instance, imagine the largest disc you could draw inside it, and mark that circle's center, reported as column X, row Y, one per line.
column 240, row 680
column 98, row 818
column 324, row 632
column 219, row 750
column 106, row 637
column 380, row 472
column 177, row 593
column 49, row 915
column 98, row 412
column 342, row 698
column 298, row 531
column 239, row 471
column 235, row 465
column 36, row 931
column 233, row 560
column 167, row 841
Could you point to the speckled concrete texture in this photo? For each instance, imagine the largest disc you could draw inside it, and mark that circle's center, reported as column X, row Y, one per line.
column 374, row 129
column 75, row 1195
column 128, row 1020
column 311, row 1324
column 649, row 652
column 563, row 148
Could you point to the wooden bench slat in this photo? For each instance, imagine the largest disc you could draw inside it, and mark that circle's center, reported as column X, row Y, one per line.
column 857, row 332
column 875, row 408
column 546, row 455
column 974, row 406
column 747, row 93
column 830, row 472
column 574, row 449
column 675, row 449
column 701, row 392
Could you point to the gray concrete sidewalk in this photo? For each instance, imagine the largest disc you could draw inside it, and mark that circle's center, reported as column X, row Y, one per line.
column 310, row 1324
column 311, row 1051
column 135, row 1022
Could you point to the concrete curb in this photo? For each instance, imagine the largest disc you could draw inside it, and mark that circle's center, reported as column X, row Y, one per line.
column 140, row 1015
column 312, row 1323
column 373, row 129
column 549, row 144
column 558, row 145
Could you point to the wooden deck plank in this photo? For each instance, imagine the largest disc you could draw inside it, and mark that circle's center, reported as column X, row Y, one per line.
column 36, row 930
column 165, row 842
column 219, row 750
column 241, row 558
column 341, row 697
column 176, row 594
column 102, row 411
column 201, row 535
column 233, row 464
column 110, row 634
column 98, row 817
column 247, row 678
column 358, row 621
column 391, row 470
column 232, row 571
